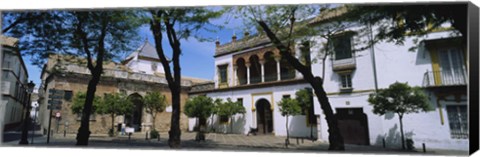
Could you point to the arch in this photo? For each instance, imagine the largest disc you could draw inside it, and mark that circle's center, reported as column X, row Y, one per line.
column 286, row 70
column 270, row 67
column 241, row 71
column 134, row 119
column 255, row 69
column 264, row 116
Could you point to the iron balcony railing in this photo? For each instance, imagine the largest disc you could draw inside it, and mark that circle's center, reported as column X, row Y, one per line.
column 445, row 78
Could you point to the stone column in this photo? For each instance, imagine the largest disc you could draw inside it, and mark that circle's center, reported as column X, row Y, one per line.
column 277, row 59
column 247, row 64
column 235, row 77
column 262, row 63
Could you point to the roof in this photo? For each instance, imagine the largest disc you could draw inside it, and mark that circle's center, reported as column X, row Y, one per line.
column 192, row 79
column 8, row 41
column 329, row 14
column 145, row 50
column 258, row 40
column 241, row 44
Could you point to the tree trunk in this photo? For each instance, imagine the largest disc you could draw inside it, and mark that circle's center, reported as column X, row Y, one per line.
column 84, row 131
column 113, row 123
column 231, row 124
column 286, row 127
column 335, row 138
column 400, row 117
column 174, row 133
column 211, row 127
column 154, row 116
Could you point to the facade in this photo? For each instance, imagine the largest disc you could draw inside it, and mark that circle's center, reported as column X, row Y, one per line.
column 14, row 84
column 70, row 74
column 250, row 70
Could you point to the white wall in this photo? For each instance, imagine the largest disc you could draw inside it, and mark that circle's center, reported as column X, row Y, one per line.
column 393, row 63
column 145, row 66
column 242, row 123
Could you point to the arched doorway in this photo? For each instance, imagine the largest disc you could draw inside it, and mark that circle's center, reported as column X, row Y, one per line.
column 134, row 119
column 264, row 117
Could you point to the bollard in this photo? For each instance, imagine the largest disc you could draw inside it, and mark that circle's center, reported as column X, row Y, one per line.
column 129, row 134
column 424, row 148
column 64, row 133
column 146, row 135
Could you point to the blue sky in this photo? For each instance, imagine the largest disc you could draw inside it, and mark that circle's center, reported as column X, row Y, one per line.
column 197, row 58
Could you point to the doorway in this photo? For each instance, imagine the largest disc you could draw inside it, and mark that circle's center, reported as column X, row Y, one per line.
column 353, row 125
column 134, row 119
column 264, row 117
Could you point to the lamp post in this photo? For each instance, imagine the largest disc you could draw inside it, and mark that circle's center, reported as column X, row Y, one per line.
column 26, row 121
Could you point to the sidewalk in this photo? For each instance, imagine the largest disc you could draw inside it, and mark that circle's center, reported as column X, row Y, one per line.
column 228, row 142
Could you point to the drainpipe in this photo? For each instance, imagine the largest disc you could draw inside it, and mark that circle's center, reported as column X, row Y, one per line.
column 372, row 54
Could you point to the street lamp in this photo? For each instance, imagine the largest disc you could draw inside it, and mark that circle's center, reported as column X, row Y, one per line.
column 26, row 121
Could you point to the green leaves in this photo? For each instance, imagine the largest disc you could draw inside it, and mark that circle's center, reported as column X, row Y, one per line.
column 115, row 104
column 44, row 32
column 199, row 106
column 230, row 108
column 79, row 101
column 289, row 107
column 155, row 102
column 396, row 22
column 399, row 98
column 305, row 98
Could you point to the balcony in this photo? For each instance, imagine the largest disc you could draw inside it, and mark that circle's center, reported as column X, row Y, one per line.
column 440, row 78
column 344, row 64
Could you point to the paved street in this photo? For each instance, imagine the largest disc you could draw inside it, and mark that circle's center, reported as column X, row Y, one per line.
column 214, row 141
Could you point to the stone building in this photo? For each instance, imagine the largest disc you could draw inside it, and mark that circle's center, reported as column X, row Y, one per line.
column 139, row 73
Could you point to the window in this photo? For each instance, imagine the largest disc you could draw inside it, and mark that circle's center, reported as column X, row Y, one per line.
column 240, row 100
column 154, row 66
column 68, row 95
column 457, row 117
column 223, row 119
column 346, row 80
column 342, row 46
column 222, row 70
column 305, row 53
column 287, row 96
column 452, row 66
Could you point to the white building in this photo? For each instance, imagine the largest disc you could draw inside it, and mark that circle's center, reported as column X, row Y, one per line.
column 14, row 84
column 250, row 70
column 144, row 60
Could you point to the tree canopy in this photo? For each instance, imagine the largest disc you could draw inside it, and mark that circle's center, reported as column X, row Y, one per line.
column 395, row 22
column 230, row 108
column 399, row 98
column 115, row 104
column 199, row 107
column 289, row 107
column 79, row 101
column 154, row 102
